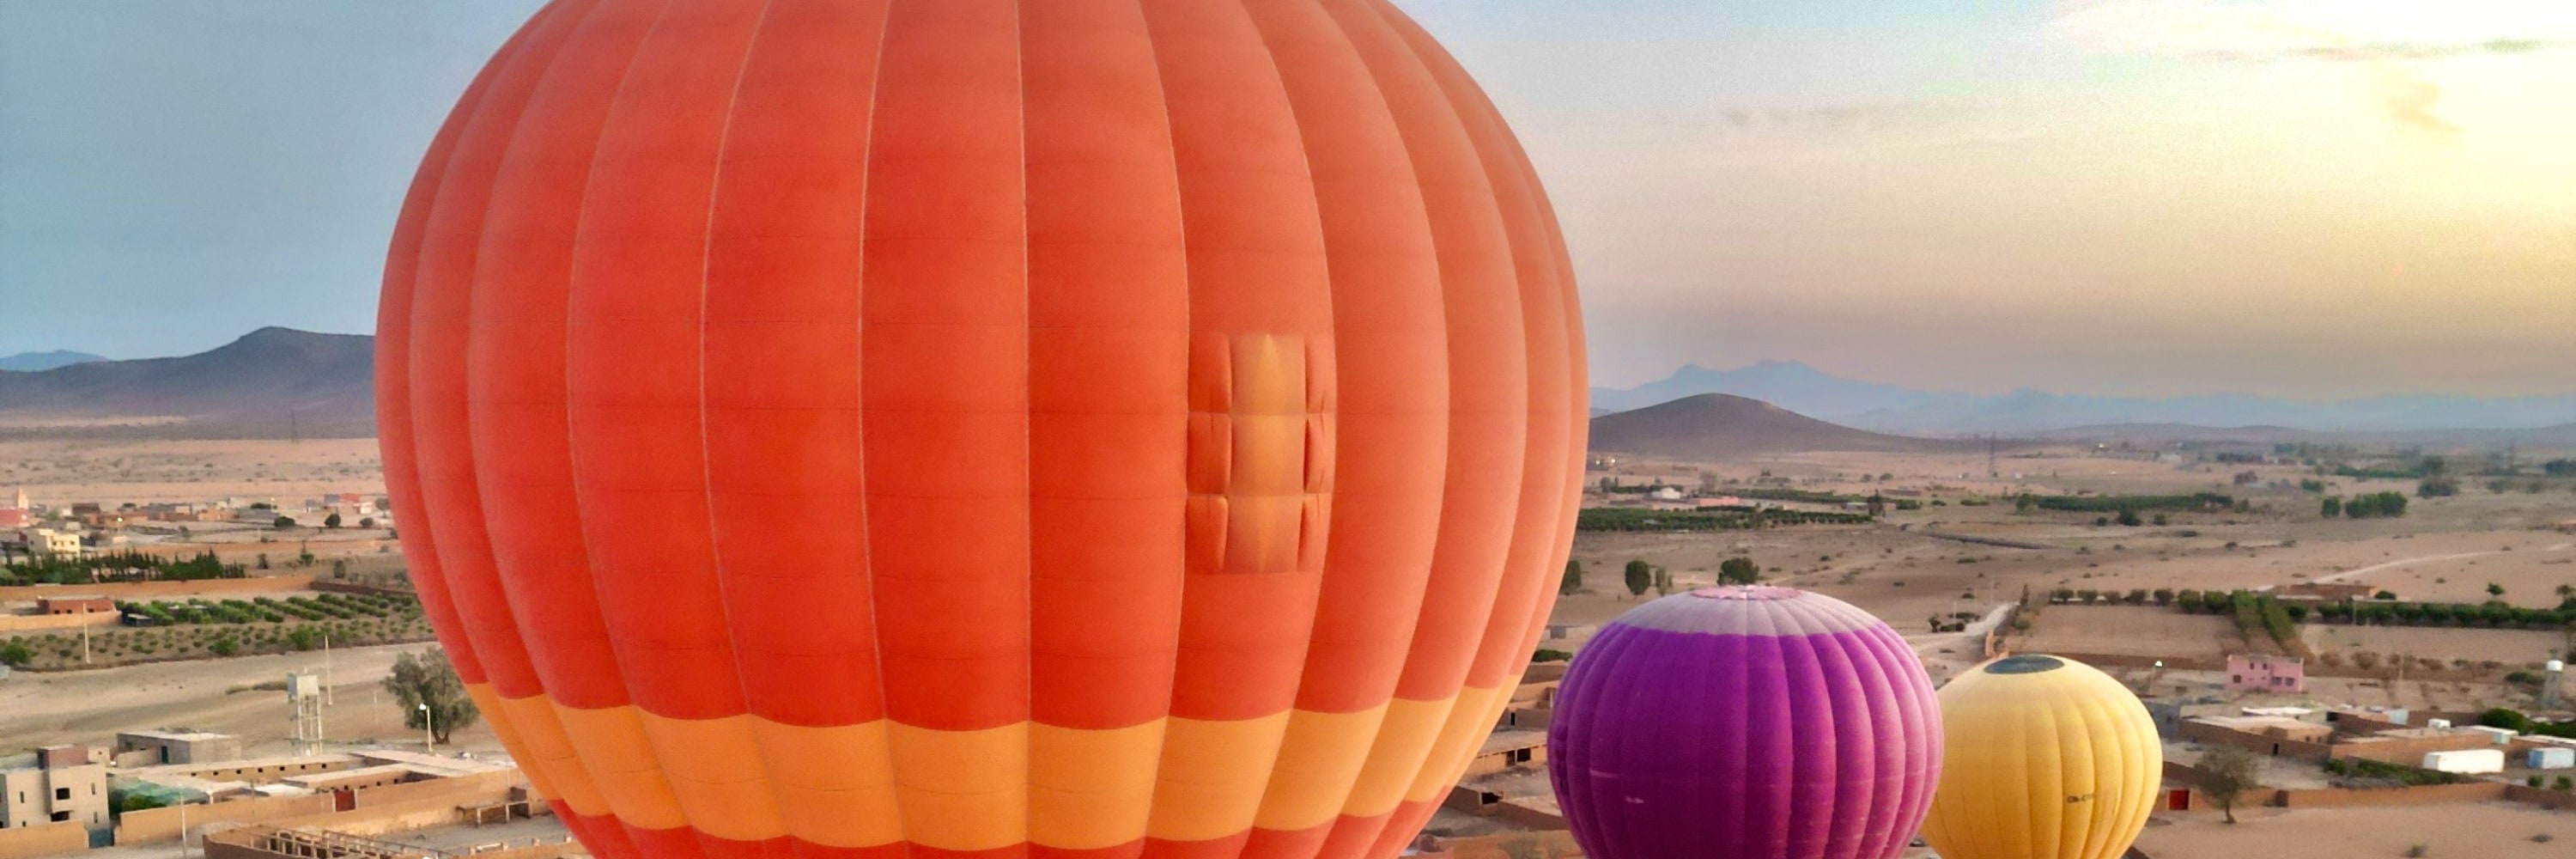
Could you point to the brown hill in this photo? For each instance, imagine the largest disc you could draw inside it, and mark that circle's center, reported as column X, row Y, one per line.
column 1721, row 426
column 268, row 384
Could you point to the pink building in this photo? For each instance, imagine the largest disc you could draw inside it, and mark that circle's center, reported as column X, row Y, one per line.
column 2266, row 673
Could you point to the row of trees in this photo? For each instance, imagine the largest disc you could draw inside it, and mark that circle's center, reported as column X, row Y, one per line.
column 2372, row 505
column 116, row 567
column 1723, row 519
column 1641, row 577
column 2493, row 614
column 2136, row 596
column 2125, row 503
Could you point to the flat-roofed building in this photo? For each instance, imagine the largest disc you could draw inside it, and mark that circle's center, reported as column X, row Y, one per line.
column 66, row 783
column 178, row 747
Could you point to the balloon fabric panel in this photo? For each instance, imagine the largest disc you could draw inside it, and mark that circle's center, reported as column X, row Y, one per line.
column 1753, row 722
column 2055, row 759
column 861, row 428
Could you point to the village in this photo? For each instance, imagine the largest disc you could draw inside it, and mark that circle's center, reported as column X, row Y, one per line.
column 2371, row 665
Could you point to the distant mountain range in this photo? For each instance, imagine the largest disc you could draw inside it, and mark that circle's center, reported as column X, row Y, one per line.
column 1724, row 426
column 29, row 362
column 278, row 381
column 271, row 383
column 1891, row 408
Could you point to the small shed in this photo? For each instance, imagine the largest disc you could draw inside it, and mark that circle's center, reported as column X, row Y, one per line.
column 2551, row 758
column 83, row 604
column 2466, row 761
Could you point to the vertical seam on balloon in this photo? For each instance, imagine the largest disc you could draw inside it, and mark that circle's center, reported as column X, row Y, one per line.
column 867, row 534
column 572, row 447
column 706, row 457
column 1407, row 53
column 1028, row 433
column 392, row 363
column 543, row 773
column 1180, row 210
column 502, row 146
column 508, row 607
column 1448, row 436
column 1306, row 353
column 1514, row 165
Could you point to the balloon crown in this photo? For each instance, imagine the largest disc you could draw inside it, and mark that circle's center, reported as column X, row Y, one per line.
column 2025, row 664
column 1746, row 592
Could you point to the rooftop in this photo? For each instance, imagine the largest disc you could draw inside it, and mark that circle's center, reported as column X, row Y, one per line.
column 181, row 735
column 1511, row 741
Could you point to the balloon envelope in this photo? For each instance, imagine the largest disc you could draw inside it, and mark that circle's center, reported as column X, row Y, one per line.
column 1745, row 722
column 962, row 427
column 2047, row 757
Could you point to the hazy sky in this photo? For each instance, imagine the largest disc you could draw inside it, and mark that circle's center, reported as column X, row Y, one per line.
column 2299, row 197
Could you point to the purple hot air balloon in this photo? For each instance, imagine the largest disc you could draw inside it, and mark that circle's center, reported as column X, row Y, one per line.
column 1746, row 723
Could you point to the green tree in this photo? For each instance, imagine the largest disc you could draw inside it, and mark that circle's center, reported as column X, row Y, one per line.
column 2164, row 596
column 2495, row 590
column 224, row 646
column 1572, row 583
column 2225, row 774
column 304, row 638
column 331, row 521
column 428, row 679
column 16, row 654
column 1663, row 581
column 1640, row 576
column 1739, row 571
column 2332, row 507
column 2129, row 517
column 284, row 522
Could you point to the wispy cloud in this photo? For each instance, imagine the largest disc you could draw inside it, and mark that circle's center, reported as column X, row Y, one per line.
column 2282, row 30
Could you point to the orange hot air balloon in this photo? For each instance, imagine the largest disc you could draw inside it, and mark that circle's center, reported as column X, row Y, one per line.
column 968, row 428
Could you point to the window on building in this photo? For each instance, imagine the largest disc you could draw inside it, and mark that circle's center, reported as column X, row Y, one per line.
column 62, row 793
column 61, row 816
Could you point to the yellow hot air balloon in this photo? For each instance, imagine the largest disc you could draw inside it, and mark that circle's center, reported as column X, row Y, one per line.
column 2044, row 757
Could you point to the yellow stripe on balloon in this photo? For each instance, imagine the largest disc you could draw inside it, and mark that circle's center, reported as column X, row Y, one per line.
column 1212, row 776
column 714, row 767
column 552, row 764
column 1397, row 755
column 835, row 785
column 1469, row 723
column 883, row 782
column 1319, row 764
column 621, row 762
column 1090, row 789
column 963, row 790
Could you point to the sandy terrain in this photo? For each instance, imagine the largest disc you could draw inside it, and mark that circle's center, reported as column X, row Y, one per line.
column 2516, row 648
column 2131, row 631
column 116, row 472
column 2495, row 830
column 91, row 706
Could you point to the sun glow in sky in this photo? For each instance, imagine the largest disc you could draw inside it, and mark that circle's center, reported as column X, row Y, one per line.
column 2293, row 197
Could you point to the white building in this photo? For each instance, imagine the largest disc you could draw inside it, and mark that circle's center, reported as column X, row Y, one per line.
column 47, row 542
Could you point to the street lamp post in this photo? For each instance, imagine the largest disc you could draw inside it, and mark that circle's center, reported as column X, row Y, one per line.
column 428, row 726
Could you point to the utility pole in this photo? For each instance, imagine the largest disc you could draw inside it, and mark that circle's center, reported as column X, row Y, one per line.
column 1991, row 470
